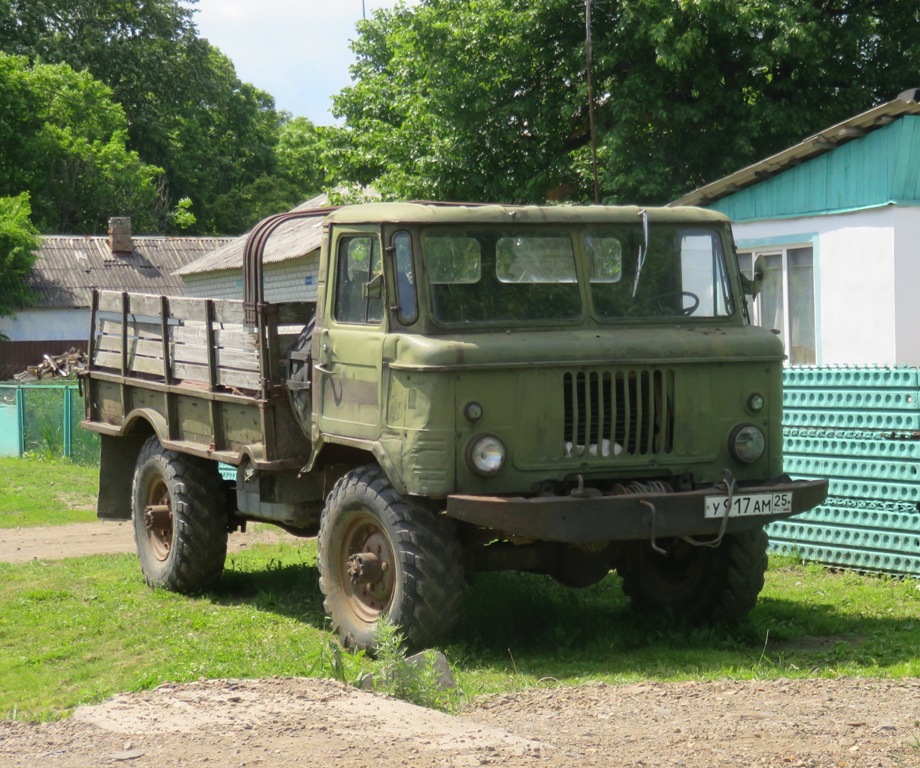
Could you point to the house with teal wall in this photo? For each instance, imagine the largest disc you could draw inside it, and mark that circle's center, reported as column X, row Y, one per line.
column 836, row 222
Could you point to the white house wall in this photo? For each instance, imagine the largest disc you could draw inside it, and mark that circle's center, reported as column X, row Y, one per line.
column 286, row 281
column 46, row 325
column 855, row 281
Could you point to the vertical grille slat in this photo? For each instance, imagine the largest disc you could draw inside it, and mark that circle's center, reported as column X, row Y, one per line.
column 627, row 412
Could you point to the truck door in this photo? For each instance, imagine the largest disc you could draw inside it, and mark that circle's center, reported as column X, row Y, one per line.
column 349, row 362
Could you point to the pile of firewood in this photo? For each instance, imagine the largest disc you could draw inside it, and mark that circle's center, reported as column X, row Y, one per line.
column 52, row 366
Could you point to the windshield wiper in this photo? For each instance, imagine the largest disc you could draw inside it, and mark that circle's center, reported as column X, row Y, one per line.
column 643, row 250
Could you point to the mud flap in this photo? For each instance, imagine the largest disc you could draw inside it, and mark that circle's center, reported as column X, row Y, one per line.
column 116, row 473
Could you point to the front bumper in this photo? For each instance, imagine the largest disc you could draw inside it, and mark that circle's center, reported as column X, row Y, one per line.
column 649, row 516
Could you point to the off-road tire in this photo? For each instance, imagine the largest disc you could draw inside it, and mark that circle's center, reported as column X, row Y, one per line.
column 699, row 584
column 421, row 585
column 187, row 550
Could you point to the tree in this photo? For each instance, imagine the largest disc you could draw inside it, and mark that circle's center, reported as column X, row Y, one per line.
column 187, row 111
column 301, row 155
column 19, row 243
column 486, row 99
column 62, row 139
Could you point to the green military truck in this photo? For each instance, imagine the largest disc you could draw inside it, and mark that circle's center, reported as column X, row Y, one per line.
column 562, row 390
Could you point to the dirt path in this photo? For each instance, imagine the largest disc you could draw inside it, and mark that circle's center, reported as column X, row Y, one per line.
column 318, row 723
column 56, row 542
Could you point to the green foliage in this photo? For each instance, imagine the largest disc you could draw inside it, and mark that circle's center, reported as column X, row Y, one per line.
column 487, row 100
column 18, row 247
column 415, row 680
column 64, row 141
column 182, row 216
column 181, row 108
column 301, row 155
column 351, row 194
column 240, row 208
column 44, row 427
column 333, row 661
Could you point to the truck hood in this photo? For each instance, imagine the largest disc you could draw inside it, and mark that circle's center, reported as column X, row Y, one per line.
column 506, row 349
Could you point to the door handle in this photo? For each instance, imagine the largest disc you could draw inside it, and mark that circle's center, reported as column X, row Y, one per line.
column 325, row 364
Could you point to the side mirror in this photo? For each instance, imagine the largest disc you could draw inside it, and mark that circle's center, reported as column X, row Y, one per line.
column 374, row 288
column 752, row 286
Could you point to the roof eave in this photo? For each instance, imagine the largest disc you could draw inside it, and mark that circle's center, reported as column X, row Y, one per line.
column 828, row 139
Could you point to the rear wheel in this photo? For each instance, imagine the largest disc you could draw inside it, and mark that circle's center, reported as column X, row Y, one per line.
column 700, row 584
column 179, row 512
column 382, row 555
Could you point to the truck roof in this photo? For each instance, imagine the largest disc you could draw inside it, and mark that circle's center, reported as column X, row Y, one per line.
column 435, row 213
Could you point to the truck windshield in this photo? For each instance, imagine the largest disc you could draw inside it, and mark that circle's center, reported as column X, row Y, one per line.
column 681, row 274
column 500, row 276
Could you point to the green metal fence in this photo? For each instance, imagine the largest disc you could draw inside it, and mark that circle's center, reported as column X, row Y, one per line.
column 860, row 428
column 45, row 419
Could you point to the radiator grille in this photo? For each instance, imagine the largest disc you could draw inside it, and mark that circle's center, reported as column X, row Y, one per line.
column 619, row 413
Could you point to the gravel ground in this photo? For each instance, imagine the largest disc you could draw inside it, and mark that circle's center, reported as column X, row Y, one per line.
column 311, row 723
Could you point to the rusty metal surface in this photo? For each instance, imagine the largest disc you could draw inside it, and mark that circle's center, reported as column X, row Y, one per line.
column 620, row 518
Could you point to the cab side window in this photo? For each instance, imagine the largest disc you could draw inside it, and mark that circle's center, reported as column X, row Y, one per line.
column 405, row 279
column 359, row 263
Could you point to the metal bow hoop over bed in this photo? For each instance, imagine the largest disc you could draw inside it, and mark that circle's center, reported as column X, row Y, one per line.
column 254, row 251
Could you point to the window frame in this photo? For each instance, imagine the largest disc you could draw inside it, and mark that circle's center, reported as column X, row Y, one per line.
column 341, row 245
column 747, row 255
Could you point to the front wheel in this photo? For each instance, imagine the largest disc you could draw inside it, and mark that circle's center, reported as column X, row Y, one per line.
column 179, row 513
column 699, row 584
column 379, row 554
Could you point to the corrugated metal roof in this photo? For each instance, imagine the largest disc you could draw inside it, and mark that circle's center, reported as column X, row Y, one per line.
column 813, row 146
column 68, row 267
column 290, row 241
column 878, row 169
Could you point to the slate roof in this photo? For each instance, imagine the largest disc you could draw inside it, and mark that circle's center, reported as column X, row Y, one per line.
column 290, row 241
column 68, row 267
column 907, row 103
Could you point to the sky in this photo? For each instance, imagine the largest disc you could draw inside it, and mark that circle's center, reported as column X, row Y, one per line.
column 296, row 50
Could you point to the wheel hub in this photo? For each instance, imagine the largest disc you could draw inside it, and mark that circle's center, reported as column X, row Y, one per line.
column 365, row 568
column 157, row 516
column 158, row 520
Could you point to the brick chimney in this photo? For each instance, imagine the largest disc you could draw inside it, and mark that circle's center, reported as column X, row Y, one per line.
column 120, row 239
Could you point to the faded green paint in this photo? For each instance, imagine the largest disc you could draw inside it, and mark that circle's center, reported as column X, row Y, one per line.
column 641, row 379
column 876, row 169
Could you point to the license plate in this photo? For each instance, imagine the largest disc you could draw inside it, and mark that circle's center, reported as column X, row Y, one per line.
column 743, row 505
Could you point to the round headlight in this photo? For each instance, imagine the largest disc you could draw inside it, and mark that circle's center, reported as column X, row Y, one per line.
column 747, row 443
column 485, row 455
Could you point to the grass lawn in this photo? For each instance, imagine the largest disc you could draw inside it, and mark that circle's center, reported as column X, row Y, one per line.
column 80, row 630
column 46, row 492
